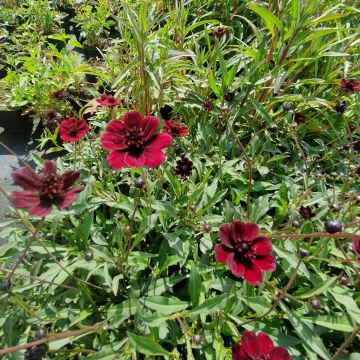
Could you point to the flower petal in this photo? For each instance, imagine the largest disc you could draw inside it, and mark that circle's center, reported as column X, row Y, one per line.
column 150, row 125
column 252, row 231
column 238, row 269
column 49, row 166
column 134, row 161
column 279, row 353
column 40, row 210
column 153, row 157
column 132, row 119
column 253, row 275
column 238, row 353
column 116, row 159
column 266, row 344
column 262, row 246
column 221, row 255
column 113, row 138
column 267, row 262
column 160, row 141
column 225, row 235
column 69, row 178
column 26, row 178
column 67, row 197
column 25, row 199
column 251, row 344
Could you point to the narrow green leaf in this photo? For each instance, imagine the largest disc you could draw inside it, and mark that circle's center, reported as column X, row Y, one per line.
column 211, row 305
column 319, row 289
column 146, row 346
column 270, row 20
column 164, row 305
column 194, row 285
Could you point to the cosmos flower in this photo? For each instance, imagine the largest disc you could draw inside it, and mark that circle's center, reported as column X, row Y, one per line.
column 207, row 105
column 45, row 189
column 299, row 118
column 350, row 85
column 108, row 100
column 175, row 129
column 220, row 31
column 58, row 94
column 134, row 142
column 306, row 212
column 258, row 347
column 246, row 253
column 183, row 168
column 356, row 249
column 73, row 129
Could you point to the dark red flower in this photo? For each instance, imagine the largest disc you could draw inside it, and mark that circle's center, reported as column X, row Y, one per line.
column 175, row 129
column 350, row 85
column 246, row 253
column 220, row 31
column 356, row 249
column 73, row 129
column 52, row 118
column 357, row 171
column 258, row 347
column 299, row 118
column 108, row 100
column 45, row 189
column 183, row 168
column 133, row 142
column 58, row 94
column 207, row 105
column 306, row 212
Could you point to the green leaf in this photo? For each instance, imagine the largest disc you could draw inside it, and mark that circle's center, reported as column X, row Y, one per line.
column 319, row 289
column 194, row 285
column 336, row 322
column 146, row 346
column 270, row 20
column 164, row 305
column 211, row 305
column 306, row 334
column 213, row 85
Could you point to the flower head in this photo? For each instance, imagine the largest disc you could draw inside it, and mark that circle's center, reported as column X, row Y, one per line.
column 45, row 189
column 175, row 129
column 108, row 100
column 183, row 168
column 207, row 105
column 299, row 118
column 58, row 94
column 350, row 85
column 341, row 107
column 134, row 142
column 246, row 253
column 73, row 129
column 220, row 31
column 258, row 347
column 52, row 118
column 357, row 171
column 306, row 212
column 356, row 249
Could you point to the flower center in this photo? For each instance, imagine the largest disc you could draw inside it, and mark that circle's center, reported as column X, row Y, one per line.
column 49, row 186
column 135, row 137
column 244, row 250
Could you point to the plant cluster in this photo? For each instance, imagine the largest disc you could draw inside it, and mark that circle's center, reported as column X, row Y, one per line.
column 202, row 200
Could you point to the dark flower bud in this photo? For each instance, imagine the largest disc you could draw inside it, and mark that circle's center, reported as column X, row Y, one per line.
column 299, row 118
column 344, row 280
column 198, row 339
column 5, row 285
column 306, row 212
column 335, row 207
column 90, row 135
column 139, row 182
column 35, row 352
column 166, row 112
column 352, row 127
column 273, row 128
column 303, row 253
column 207, row 105
column 89, row 255
column 207, row 227
column 341, row 107
column 296, row 224
column 286, row 106
column 40, row 333
column 229, row 96
column 192, row 207
column 315, row 304
column 220, row 31
column 357, row 171
column 333, row 226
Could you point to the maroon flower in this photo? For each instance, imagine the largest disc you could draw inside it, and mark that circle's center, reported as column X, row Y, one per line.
column 133, row 142
column 45, row 189
column 299, row 118
column 306, row 212
column 246, row 253
column 341, row 107
column 52, row 118
column 58, row 94
column 350, row 85
column 220, row 31
column 108, row 100
column 183, row 168
column 357, row 171
column 356, row 249
column 73, row 129
column 175, row 129
column 258, row 347
column 207, row 105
